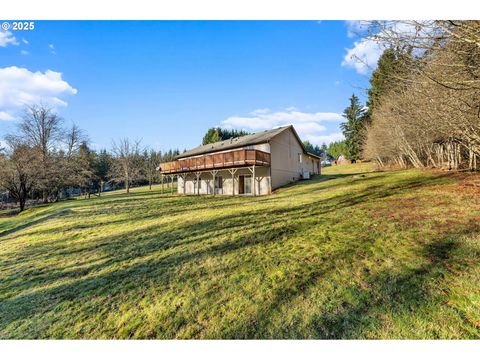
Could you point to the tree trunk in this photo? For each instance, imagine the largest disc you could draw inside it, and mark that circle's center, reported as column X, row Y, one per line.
column 127, row 181
column 21, row 202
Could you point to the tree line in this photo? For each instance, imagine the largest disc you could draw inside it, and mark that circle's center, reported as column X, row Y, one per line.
column 216, row 134
column 424, row 99
column 423, row 106
column 44, row 161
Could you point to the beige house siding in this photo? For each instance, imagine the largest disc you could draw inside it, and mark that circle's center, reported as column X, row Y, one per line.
column 312, row 164
column 285, row 161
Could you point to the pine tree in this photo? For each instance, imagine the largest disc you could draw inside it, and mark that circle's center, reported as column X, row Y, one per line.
column 353, row 128
column 218, row 134
column 393, row 66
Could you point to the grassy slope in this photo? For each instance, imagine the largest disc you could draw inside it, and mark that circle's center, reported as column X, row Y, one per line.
column 372, row 255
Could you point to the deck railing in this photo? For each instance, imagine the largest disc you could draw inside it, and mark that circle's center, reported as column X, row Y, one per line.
column 234, row 158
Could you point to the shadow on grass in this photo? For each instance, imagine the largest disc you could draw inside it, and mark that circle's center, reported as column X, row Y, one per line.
column 118, row 267
column 78, row 286
column 389, row 293
column 36, row 219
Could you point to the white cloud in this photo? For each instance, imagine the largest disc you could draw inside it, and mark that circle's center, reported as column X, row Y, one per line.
column 4, row 116
column 52, row 49
column 355, row 27
column 327, row 139
column 24, row 52
column 363, row 56
column 20, row 87
column 7, row 38
column 25, row 41
column 308, row 125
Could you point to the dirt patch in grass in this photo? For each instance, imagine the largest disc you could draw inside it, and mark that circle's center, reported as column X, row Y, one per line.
column 465, row 182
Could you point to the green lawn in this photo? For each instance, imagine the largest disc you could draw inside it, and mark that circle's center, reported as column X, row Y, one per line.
column 350, row 254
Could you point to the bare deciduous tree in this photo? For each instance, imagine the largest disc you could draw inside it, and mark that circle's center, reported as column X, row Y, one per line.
column 41, row 129
column 127, row 162
column 431, row 117
column 152, row 160
column 19, row 170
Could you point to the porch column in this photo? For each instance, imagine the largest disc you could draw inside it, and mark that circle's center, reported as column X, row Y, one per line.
column 233, row 171
column 214, row 172
column 198, row 182
column 254, row 182
column 252, row 170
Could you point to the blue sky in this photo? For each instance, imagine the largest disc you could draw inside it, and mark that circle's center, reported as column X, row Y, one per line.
column 166, row 82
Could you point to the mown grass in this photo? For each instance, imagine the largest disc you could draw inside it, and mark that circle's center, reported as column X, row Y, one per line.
column 350, row 254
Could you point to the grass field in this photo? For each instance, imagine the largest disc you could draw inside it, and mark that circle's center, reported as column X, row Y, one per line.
column 353, row 253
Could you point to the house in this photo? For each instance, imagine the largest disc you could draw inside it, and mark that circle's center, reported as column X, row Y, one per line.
column 342, row 160
column 248, row 165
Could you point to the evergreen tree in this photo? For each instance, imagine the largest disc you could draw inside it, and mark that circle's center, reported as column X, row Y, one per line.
column 393, row 65
column 324, row 150
column 101, row 167
column 309, row 147
column 353, row 128
column 216, row 134
column 85, row 174
column 337, row 148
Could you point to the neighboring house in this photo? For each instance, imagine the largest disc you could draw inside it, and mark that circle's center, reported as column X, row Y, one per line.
column 342, row 160
column 248, row 165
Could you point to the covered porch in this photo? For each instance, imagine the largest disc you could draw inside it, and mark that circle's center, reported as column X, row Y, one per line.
column 247, row 181
column 235, row 172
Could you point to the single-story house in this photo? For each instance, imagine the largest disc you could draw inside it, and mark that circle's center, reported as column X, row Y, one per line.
column 253, row 164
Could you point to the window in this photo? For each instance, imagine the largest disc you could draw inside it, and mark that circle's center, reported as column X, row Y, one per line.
column 299, row 157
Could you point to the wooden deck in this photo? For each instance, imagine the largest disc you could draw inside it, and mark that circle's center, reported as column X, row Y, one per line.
column 228, row 159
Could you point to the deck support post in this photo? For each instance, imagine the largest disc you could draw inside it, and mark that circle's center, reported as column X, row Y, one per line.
column 214, row 173
column 254, row 182
column 232, row 172
column 198, row 182
column 252, row 170
column 184, row 179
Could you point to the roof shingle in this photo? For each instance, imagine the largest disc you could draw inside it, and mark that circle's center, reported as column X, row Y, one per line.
column 253, row 139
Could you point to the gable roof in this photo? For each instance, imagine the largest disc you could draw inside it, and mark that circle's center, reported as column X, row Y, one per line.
column 253, row 139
